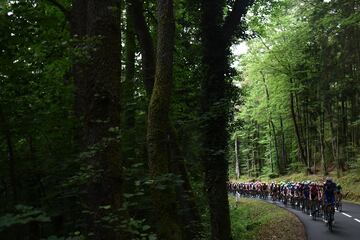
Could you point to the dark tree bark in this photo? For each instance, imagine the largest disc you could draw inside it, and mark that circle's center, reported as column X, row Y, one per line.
column 188, row 210
column 215, row 113
column 128, row 109
column 322, row 145
column 307, row 136
column 146, row 43
column 257, row 150
column 283, row 147
column 297, row 131
column 237, row 167
column 128, row 88
column 158, row 131
column 344, row 134
column 216, row 39
column 4, row 127
column 97, row 105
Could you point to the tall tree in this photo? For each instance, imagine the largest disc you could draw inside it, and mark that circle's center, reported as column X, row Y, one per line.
column 158, row 131
column 217, row 35
column 97, row 105
column 146, row 43
column 189, row 214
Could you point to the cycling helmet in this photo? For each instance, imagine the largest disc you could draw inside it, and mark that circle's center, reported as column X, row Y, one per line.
column 329, row 179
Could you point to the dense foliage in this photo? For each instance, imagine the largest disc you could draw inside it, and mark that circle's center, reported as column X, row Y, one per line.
column 300, row 81
column 100, row 118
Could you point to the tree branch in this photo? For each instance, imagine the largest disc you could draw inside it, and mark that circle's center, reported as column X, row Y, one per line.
column 233, row 19
column 146, row 44
column 61, row 7
column 284, row 65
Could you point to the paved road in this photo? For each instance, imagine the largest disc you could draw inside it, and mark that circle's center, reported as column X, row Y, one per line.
column 347, row 223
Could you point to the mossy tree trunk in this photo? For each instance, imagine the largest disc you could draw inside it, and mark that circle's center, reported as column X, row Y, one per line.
column 189, row 214
column 158, row 130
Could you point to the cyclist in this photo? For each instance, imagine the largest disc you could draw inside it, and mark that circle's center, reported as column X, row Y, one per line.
column 306, row 193
column 338, row 197
column 314, row 197
column 329, row 195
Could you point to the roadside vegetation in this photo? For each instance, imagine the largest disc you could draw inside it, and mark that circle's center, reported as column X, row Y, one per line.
column 254, row 219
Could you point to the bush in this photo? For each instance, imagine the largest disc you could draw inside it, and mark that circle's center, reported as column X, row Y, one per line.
column 273, row 175
column 296, row 167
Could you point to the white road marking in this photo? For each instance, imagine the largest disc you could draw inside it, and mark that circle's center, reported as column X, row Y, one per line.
column 336, row 211
column 357, row 220
column 347, row 215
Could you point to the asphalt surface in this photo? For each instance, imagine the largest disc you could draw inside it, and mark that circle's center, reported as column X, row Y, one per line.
column 346, row 226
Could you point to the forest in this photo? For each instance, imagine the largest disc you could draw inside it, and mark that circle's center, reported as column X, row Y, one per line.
column 300, row 91
column 125, row 119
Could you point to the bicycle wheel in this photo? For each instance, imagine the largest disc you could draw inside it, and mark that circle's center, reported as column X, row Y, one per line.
column 313, row 210
column 330, row 214
column 331, row 220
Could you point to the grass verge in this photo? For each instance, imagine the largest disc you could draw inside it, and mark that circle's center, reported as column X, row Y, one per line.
column 257, row 220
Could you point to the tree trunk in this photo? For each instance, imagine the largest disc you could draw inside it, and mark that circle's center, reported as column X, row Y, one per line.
column 236, row 158
column 297, row 132
column 214, row 107
column 271, row 125
column 257, row 148
column 337, row 143
column 334, row 143
column 248, row 162
column 191, row 220
column 283, row 148
column 97, row 105
column 146, row 44
column 11, row 162
column 307, row 137
column 217, row 34
column 271, row 158
column 129, row 84
column 188, row 212
column 322, row 145
column 158, row 134
column 344, row 138
column 128, row 111
column 10, row 156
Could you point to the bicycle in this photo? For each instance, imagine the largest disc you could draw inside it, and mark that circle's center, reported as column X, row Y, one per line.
column 330, row 213
column 338, row 206
column 314, row 210
column 292, row 201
